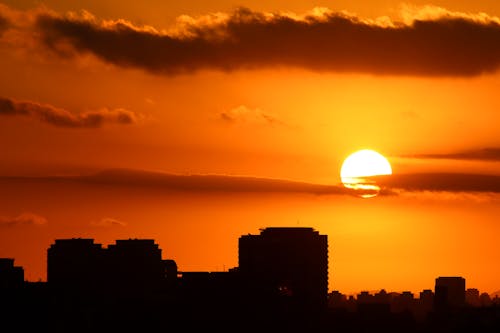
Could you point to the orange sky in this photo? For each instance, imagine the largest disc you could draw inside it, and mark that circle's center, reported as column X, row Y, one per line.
column 178, row 89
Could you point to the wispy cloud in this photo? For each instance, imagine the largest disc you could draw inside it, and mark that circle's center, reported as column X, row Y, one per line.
column 244, row 114
column 445, row 182
column 63, row 118
column 24, row 219
column 485, row 154
column 108, row 222
column 427, row 41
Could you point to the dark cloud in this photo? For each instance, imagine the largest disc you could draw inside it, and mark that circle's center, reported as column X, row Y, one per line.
column 449, row 44
column 486, row 154
column 207, row 183
column 155, row 181
column 390, row 185
column 4, row 24
column 23, row 219
column 446, row 182
column 63, row 118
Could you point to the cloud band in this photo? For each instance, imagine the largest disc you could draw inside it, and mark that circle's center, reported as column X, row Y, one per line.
column 63, row 118
column 448, row 44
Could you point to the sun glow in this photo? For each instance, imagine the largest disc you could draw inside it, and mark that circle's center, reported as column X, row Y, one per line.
column 359, row 170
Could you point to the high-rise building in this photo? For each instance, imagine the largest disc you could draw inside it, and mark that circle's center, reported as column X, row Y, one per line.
column 135, row 264
column 126, row 266
column 11, row 277
column 287, row 261
column 76, row 263
column 449, row 292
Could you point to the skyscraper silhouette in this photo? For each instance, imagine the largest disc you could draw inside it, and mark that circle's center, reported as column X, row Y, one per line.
column 76, row 263
column 11, row 277
column 135, row 265
column 290, row 262
column 128, row 266
column 449, row 293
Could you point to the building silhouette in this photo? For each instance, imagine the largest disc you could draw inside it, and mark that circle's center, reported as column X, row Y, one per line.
column 76, row 263
column 472, row 297
column 449, row 293
column 128, row 266
column 291, row 262
column 279, row 285
column 11, row 277
column 135, row 265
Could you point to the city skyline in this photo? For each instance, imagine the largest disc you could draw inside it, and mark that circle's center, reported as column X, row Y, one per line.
column 194, row 123
column 248, row 243
column 280, row 283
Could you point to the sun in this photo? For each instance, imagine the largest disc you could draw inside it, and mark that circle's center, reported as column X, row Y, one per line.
column 360, row 169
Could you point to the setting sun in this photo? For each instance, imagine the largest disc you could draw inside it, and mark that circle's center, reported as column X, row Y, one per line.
column 360, row 166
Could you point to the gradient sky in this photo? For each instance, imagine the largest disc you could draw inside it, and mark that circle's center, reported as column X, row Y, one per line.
column 272, row 90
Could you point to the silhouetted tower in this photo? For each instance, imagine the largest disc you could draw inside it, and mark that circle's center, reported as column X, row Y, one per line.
column 75, row 263
column 11, row 277
column 449, row 293
column 135, row 265
column 287, row 261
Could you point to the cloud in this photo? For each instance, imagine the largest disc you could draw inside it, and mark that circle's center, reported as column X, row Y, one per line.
column 440, row 185
column 23, row 219
column 429, row 41
column 444, row 182
column 63, row 118
column 390, row 185
column 108, row 222
column 4, row 24
column 486, row 154
column 206, row 183
column 243, row 114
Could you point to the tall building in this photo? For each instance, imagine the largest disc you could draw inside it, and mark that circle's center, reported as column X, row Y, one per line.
column 126, row 266
column 449, row 292
column 11, row 277
column 76, row 263
column 287, row 261
column 135, row 264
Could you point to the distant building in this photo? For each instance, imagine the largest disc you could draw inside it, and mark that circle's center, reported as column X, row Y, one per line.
column 290, row 262
column 337, row 300
column 424, row 305
column 404, row 302
column 11, row 277
column 368, row 304
column 365, row 297
column 472, row 297
column 449, row 293
column 427, row 299
column 485, row 300
column 382, row 297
